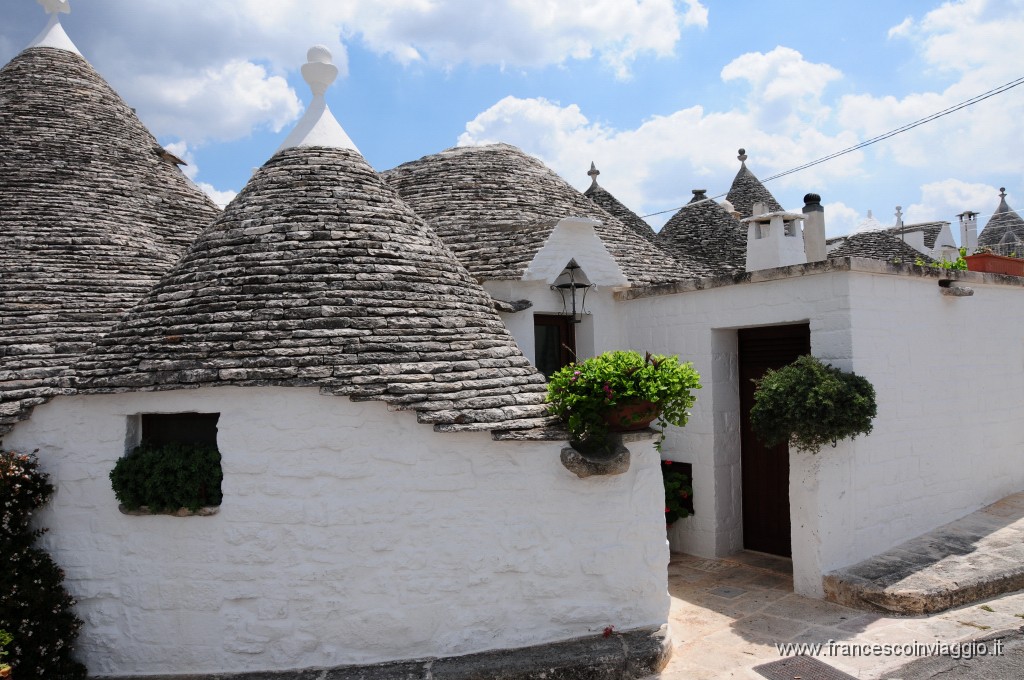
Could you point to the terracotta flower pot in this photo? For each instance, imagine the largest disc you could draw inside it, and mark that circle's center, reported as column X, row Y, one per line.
column 995, row 264
column 632, row 415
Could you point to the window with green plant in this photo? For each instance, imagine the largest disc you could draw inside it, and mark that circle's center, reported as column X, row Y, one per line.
column 177, row 465
column 36, row 612
column 583, row 394
column 810, row 403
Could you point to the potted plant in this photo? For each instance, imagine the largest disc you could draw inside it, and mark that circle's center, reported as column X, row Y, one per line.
column 984, row 260
column 167, row 478
column 809, row 403
column 620, row 391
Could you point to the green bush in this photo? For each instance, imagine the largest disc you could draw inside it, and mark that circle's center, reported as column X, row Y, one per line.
column 168, row 477
column 35, row 609
column 678, row 491
column 809, row 404
column 582, row 393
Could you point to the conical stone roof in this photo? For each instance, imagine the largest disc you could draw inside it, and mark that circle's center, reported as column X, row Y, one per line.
column 496, row 206
column 318, row 275
column 90, row 216
column 598, row 194
column 876, row 245
column 1004, row 221
column 746, row 190
column 704, row 230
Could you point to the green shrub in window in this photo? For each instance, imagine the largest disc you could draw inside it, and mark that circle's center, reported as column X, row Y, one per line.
column 809, row 404
column 168, row 477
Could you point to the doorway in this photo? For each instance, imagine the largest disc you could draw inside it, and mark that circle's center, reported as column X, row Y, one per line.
column 765, row 470
column 554, row 338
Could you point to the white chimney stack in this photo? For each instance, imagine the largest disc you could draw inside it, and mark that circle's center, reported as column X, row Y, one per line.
column 969, row 231
column 814, row 228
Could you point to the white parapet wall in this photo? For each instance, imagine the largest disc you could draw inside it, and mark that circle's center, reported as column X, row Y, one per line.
column 348, row 534
column 948, row 371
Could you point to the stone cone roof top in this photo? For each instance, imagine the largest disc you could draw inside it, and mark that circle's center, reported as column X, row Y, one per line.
column 876, row 245
column 931, row 231
column 598, row 194
column 495, row 207
column 317, row 274
column 746, row 190
column 1004, row 221
column 90, row 216
column 707, row 232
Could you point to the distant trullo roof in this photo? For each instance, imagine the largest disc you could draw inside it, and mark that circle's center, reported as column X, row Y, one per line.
column 1005, row 225
column 875, row 245
column 598, row 194
column 317, row 274
column 496, row 206
column 708, row 232
column 746, row 190
column 91, row 214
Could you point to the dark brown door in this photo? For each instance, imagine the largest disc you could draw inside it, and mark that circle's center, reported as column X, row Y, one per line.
column 765, row 472
column 554, row 338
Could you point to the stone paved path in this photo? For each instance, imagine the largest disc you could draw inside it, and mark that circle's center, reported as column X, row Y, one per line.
column 727, row 616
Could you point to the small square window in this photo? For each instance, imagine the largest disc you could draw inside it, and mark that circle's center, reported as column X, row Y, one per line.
column 187, row 428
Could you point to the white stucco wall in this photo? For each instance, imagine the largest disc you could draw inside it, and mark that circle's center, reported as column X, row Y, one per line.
column 348, row 534
column 947, row 440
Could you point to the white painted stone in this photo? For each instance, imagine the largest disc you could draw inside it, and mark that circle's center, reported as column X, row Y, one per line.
column 946, row 441
column 318, row 126
column 348, row 534
column 53, row 35
column 574, row 238
column 774, row 240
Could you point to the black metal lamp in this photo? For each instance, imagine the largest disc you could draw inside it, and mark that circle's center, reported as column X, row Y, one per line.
column 573, row 301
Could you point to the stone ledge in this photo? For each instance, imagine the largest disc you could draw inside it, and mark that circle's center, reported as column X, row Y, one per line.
column 144, row 511
column 630, row 655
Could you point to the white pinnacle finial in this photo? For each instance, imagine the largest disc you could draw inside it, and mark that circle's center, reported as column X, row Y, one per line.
column 319, row 70
column 53, row 34
column 56, row 6
column 318, row 126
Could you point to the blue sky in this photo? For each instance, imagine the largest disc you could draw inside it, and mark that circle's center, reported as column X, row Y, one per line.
column 660, row 94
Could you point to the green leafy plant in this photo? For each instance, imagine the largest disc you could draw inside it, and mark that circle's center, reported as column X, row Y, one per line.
column 809, row 404
column 35, row 609
column 959, row 264
column 678, row 491
column 582, row 394
column 5, row 639
column 168, row 477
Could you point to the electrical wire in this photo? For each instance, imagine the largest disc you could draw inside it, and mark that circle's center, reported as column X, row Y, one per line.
column 874, row 140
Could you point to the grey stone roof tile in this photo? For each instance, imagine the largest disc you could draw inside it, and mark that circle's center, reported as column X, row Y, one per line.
column 495, row 207
column 877, row 245
column 602, row 197
column 931, row 231
column 1004, row 221
column 90, row 216
column 705, row 231
column 317, row 274
column 746, row 190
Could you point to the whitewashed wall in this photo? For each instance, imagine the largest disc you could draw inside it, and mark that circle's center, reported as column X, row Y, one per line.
column 348, row 534
column 949, row 375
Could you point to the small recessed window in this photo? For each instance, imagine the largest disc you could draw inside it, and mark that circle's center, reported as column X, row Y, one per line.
column 172, row 466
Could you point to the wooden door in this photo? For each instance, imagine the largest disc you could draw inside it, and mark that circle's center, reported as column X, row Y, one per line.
column 765, row 470
column 554, row 338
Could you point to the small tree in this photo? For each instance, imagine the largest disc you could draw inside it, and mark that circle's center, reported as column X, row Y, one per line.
column 35, row 609
column 810, row 404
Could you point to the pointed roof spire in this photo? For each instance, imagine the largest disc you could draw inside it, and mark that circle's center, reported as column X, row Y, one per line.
column 604, row 199
column 318, row 126
column 593, row 172
column 747, row 190
column 53, row 34
column 1005, row 225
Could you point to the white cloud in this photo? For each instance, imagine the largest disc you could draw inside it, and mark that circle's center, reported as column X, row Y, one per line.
column 654, row 166
column 970, row 44
column 902, row 29
column 191, row 170
column 841, row 219
column 944, row 199
column 218, row 103
column 696, row 14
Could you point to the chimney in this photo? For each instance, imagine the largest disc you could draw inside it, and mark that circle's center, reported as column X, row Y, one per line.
column 969, row 231
column 814, row 228
column 774, row 240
